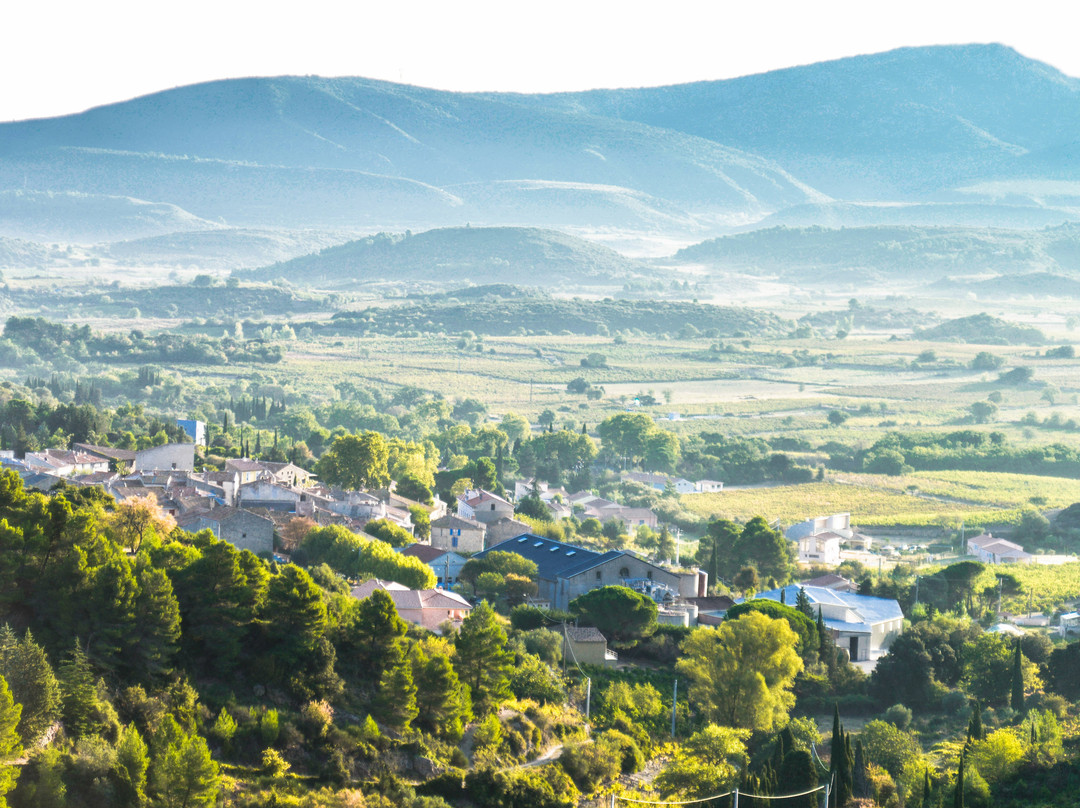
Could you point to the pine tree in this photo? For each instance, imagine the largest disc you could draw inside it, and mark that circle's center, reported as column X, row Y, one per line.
column 395, row 703
column 132, row 762
column 1016, row 695
column 186, row 775
column 442, row 700
column 81, row 711
column 483, row 662
column 33, row 684
column 10, row 745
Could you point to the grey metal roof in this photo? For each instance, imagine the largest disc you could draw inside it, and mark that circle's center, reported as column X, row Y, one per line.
column 872, row 610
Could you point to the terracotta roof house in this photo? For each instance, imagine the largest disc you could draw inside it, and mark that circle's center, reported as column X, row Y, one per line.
column 991, row 550
column 429, row 608
column 483, row 506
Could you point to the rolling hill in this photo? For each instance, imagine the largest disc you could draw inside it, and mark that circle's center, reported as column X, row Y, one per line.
column 460, row 255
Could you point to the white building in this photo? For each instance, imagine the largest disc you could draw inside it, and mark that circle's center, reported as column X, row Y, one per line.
column 864, row 626
column 820, row 548
column 991, row 550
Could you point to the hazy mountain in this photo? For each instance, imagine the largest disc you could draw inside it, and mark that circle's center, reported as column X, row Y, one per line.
column 88, row 218
column 973, row 134
column 1010, row 287
column 854, row 214
column 327, row 151
column 17, row 252
column 481, row 255
column 915, row 121
column 900, row 253
column 223, row 248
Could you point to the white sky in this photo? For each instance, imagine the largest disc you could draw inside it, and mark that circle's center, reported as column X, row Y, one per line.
column 62, row 56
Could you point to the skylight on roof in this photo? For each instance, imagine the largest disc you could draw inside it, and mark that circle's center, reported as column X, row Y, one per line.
column 570, row 552
column 539, row 544
column 522, row 540
column 553, row 550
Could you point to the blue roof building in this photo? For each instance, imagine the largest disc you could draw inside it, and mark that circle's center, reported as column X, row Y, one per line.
column 862, row 625
column 565, row 571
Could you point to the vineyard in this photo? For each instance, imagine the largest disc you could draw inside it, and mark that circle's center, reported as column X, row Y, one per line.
column 978, row 487
column 867, row 504
column 1043, row 588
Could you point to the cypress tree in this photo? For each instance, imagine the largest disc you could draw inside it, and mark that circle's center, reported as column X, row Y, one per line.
column 1016, row 696
column 927, row 800
column 802, row 603
column 798, row 774
column 958, row 794
column 840, row 762
column 859, row 775
column 825, row 646
column 975, row 726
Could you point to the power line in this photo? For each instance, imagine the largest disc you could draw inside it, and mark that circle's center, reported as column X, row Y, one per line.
column 615, row 797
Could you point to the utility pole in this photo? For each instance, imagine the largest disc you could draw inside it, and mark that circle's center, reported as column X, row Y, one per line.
column 735, row 798
column 917, row 577
column 674, row 699
column 999, row 595
column 588, row 697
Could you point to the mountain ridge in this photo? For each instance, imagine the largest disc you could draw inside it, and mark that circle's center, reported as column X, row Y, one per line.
column 928, row 125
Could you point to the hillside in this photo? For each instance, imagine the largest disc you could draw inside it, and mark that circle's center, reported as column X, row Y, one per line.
column 460, row 255
column 982, row 329
column 514, row 316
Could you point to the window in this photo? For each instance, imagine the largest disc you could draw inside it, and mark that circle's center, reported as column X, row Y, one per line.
column 454, row 541
column 650, row 575
column 598, row 575
column 492, row 506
